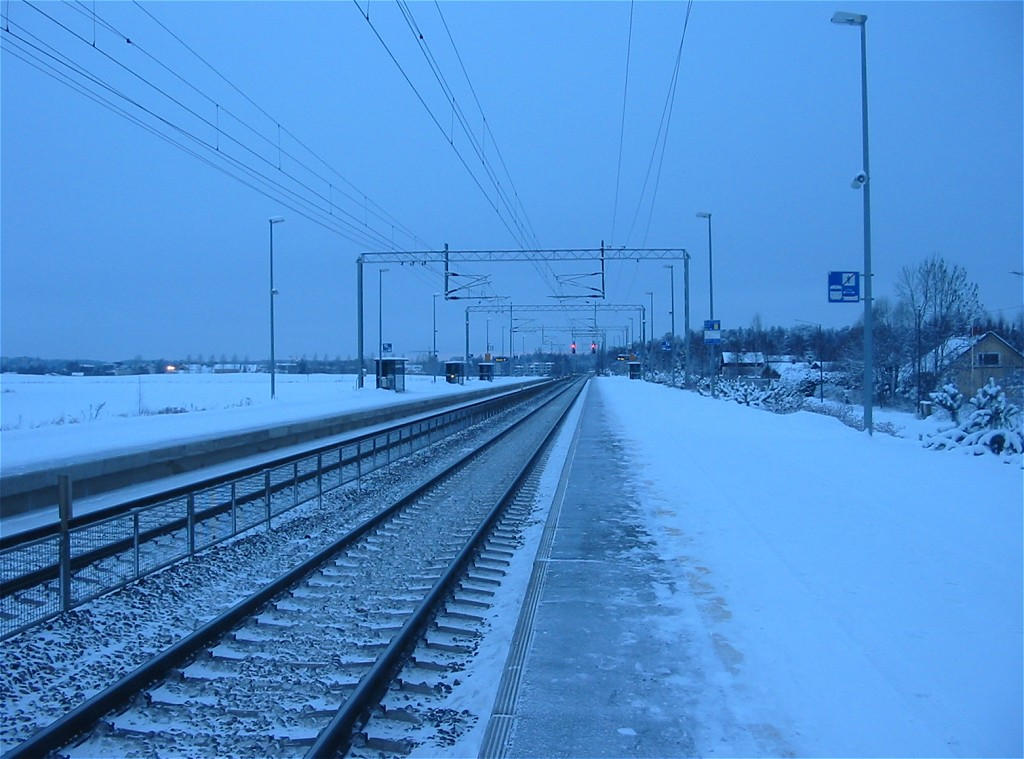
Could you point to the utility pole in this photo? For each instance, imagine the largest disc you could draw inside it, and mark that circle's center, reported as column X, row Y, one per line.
column 686, row 307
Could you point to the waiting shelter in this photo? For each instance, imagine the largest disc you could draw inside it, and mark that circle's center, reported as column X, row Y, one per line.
column 487, row 371
column 635, row 370
column 455, row 372
column 391, row 374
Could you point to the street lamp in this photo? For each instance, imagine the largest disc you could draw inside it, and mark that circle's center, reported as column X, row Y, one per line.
column 651, row 294
column 863, row 181
column 273, row 364
column 672, row 313
column 711, row 278
column 434, row 318
column 380, row 316
column 672, row 290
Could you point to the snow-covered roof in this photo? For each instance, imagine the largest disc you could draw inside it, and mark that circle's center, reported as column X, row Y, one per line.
column 749, row 358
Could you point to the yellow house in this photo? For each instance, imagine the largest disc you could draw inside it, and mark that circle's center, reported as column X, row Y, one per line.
column 982, row 357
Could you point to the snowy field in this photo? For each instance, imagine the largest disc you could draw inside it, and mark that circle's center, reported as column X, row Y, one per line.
column 47, row 418
column 859, row 596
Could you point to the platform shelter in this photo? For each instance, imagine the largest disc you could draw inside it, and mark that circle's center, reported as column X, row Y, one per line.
column 391, row 374
column 487, row 371
column 455, row 372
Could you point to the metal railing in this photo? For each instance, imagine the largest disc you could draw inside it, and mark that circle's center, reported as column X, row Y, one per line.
column 45, row 576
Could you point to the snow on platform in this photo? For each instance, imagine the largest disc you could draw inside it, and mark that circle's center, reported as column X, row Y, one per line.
column 48, row 418
column 726, row 581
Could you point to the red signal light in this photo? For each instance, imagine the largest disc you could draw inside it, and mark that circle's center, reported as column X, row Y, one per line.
column 572, row 346
column 593, row 347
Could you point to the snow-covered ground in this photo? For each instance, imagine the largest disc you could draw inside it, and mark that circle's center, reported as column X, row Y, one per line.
column 44, row 418
column 861, row 596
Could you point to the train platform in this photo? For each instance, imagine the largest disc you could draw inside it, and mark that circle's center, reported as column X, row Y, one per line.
column 704, row 587
column 592, row 646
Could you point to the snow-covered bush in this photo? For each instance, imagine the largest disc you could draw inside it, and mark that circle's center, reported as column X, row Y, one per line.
column 780, row 397
column 993, row 426
column 949, row 398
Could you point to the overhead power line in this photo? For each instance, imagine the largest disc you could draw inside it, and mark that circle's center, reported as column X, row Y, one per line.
column 379, row 212
column 457, row 111
column 516, row 213
column 486, row 123
column 34, row 56
column 622, row 125
column 662, row 134
column 316, row 205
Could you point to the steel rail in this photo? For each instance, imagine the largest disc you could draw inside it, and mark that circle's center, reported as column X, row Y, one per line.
column 371, row 687
column 80, row 561
column 64, row 729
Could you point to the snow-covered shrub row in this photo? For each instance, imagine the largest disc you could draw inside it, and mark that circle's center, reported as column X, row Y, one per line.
column 779, row 397
column 994, row 426
column 850, row 415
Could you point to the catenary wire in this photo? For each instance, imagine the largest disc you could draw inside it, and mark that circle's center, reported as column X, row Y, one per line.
column 12, row 41
column 668, row 121
column 309, row 211
column 659, row 136
column 217, row 127
column 542, row 267
column 385, row 214
column 433, row 117
column 622, row 125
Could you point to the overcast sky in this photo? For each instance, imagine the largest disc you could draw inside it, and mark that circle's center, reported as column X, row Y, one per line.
column 117, row 243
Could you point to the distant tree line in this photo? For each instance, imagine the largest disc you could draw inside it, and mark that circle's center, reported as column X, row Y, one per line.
column 933, row 303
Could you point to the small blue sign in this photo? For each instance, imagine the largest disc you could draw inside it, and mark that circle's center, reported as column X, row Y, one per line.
column 666, row 345
column 385, row 348
column 844, row 287
column 712, row 331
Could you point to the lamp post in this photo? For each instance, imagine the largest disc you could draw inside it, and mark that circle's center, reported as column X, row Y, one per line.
column 711, row 277
column 711, row 291
column 864, row 182
column 380, row 316
column 434, row 319
column 273, row 363
column 672, row 313
column 652, row 353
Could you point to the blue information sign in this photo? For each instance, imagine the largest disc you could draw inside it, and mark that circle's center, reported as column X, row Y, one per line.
column 712, row 331
column 844, row 287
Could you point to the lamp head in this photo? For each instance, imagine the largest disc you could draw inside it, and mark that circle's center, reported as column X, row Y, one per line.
column 276, row 219
column 850, row 19
column 703, row 215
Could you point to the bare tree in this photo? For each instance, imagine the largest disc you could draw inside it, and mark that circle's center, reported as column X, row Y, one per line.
column 941, row 302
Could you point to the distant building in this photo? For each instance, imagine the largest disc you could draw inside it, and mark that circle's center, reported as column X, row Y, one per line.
column 742, row 364
column 971, row 361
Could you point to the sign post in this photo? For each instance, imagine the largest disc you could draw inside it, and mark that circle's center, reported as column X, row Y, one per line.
column 712, row 337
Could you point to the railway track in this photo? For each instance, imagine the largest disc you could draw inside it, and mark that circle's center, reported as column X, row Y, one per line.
column 299, row 666
column 54, row 568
